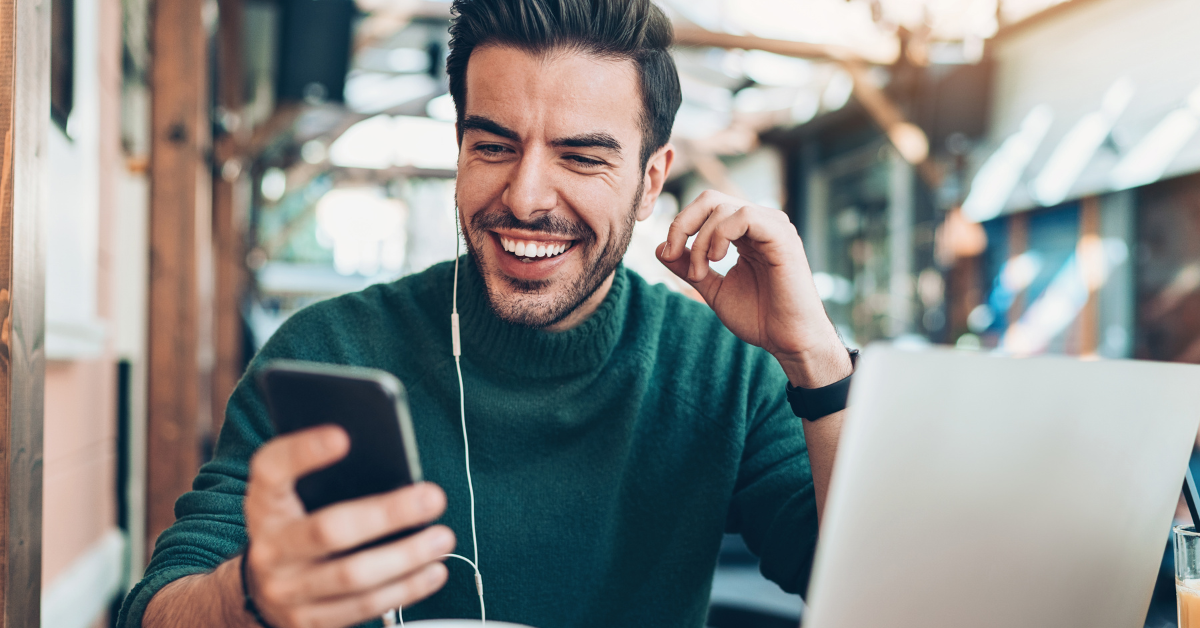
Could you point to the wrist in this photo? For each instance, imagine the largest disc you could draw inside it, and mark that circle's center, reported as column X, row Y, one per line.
column 817, row 367
column 250, row 609
column 203, row 599
column 232, row 596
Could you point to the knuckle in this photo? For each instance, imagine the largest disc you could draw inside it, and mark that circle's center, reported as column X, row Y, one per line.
column 377, row 519
column 260, row 555
column 326, row 531
column 376, row 601
column 350, row 576
column 410, row 553
column 272, row 591
column 402, row 509
column 264, row 469
column 256, row 468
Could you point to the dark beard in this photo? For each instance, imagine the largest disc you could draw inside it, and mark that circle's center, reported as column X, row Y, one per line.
column 598, row 264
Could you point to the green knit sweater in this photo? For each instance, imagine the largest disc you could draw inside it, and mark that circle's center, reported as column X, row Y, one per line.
column 607, row 460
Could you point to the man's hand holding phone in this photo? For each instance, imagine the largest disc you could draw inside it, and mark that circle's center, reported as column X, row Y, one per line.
column 298, row 571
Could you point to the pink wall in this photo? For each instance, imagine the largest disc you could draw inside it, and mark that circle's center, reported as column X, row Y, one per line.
column 80, row 461
column 79, row 472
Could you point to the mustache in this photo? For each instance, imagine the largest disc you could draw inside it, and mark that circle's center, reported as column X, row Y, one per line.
column 550, row 224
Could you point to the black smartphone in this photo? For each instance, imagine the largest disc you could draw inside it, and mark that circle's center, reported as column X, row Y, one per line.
column 370, row 404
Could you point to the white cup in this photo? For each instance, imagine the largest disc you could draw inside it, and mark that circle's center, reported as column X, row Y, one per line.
column 460, row 623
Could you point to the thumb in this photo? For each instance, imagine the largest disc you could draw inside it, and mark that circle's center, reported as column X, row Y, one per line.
column 706, row 287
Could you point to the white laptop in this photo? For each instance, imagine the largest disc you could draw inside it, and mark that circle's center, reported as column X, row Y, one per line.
column 980, row 491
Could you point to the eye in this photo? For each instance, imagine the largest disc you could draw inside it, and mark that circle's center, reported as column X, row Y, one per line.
column 586, row 162
column 492, row 150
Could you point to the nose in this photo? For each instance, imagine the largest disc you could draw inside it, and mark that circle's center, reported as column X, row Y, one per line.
column 530, row 192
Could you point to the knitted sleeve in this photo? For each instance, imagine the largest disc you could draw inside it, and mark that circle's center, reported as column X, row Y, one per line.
column 774, row 505
column 209, row 523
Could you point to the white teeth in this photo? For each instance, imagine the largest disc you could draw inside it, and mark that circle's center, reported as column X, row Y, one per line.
column 521, row 248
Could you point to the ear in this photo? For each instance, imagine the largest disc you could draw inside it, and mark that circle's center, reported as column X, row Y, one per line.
column 657, row 169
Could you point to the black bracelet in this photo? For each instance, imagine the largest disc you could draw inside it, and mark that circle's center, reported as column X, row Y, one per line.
column 250, row 606
column 813, row 403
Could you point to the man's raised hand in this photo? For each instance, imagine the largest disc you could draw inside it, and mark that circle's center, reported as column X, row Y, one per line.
column 768, row 298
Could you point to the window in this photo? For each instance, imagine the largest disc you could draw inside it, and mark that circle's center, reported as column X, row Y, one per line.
column 62, row 61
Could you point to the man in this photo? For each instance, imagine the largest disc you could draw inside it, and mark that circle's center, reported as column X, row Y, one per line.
column 617, row 430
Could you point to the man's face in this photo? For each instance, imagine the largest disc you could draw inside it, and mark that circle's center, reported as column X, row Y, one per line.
column 549, row 179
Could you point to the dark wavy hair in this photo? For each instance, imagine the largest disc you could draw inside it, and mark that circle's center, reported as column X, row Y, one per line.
column 618, row 29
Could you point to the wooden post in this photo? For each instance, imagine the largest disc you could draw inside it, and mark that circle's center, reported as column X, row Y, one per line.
column 964, row 292
column 1089, row 255
column 230, row 211
column 1018, row 243
column 179, row 237
column 24, row 119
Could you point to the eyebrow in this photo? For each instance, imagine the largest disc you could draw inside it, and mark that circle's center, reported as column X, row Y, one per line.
column 589, row 140
column 585, row 140
column 487, row 125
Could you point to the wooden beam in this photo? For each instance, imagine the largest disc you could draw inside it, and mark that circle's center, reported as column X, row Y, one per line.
column 229, row 213
column 908, row 138
column 179, row 227
column 691, row 36
column 1048, row 14
column 24, row 119
column 713, row 170
column 269, row 132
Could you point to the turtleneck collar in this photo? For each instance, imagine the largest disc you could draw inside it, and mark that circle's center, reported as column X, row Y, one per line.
column 496, row 344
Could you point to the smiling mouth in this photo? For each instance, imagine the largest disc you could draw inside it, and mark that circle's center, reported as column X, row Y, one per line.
column 528, row 250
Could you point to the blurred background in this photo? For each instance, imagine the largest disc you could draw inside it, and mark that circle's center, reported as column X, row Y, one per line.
column 1013, row 175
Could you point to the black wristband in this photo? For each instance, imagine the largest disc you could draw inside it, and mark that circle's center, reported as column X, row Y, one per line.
column 814, row 403
column 250, row 606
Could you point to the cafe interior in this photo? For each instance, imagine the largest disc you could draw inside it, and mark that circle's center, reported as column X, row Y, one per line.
column 1017, row 179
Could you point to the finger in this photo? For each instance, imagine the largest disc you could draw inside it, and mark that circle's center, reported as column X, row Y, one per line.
column 277, row 465
column 768, row 231
column 700, row 246
column 689, row 220
column 355, row 609
column 707, row 287
column 363, row 571
column 718, row 247
column 347, row 525
column 729, row 230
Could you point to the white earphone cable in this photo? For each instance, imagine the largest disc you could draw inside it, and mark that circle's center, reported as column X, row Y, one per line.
column 390, row 617
column 456, row 341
